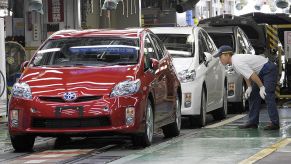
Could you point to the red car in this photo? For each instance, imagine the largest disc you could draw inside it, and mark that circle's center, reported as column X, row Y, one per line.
column 90, row 82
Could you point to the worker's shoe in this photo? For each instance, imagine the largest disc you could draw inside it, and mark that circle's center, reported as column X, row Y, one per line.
column 272, row 127
column 248, row 126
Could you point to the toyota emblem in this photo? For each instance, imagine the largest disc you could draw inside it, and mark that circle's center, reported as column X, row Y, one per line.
column 70, row 96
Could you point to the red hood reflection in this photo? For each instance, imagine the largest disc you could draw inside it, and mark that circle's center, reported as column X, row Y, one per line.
column 54, row 81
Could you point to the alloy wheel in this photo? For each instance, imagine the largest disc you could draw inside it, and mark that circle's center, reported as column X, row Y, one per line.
column 149, row 123
column 178, row 113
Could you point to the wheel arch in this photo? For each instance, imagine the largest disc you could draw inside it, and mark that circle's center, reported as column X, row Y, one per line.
column 151, row 98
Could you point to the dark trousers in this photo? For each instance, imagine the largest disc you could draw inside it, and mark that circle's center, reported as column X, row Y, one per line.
column 268, row 75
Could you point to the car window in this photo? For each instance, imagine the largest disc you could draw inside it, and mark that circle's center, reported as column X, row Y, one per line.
column 209, row 42
column 149, row 52
column 249, row 47
column 202, row 48
column 179, row 45
column 241, row 44
column 159, row 46
column 221, row 39
column 149, row 49
column 93, row 51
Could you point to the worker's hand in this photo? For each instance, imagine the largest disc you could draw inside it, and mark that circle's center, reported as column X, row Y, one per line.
column 248, row 92
column 263, row 92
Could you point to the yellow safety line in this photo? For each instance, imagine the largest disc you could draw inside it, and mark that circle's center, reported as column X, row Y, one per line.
column 274, row 43
column 272, row 29
column 284, row 96
column 267, row 151
column 272, row 36
column 284, row 26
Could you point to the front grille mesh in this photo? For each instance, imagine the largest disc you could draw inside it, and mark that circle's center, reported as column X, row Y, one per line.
column 79, row 99
column 58, row 123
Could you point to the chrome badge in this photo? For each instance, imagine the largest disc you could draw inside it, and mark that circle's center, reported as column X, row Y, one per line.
column 70, row 96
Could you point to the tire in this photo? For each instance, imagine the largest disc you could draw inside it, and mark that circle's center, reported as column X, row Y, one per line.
column 173, row 129
column 200, row 121
column 22, row 143
column 221, row 113
column 145, row 139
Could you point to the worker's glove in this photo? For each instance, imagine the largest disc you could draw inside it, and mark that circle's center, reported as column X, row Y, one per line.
column 248, row 92
column 263, row 92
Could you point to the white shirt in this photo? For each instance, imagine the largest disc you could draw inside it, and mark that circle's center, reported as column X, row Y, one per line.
column 247, row 64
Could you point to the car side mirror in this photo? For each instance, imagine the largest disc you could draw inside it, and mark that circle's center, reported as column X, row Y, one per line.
column 208, row 58
column 154, row 64
column 23, row 66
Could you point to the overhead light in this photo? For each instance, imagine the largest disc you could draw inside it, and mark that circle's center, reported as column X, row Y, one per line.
column 241, row 4
column 35, row 5
column 282, row 4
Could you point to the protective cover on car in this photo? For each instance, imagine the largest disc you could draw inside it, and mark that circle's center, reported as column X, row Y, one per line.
column 255, row 33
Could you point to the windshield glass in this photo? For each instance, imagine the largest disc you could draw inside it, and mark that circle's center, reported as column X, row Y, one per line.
column 179, row 45
column 221, row 39
column 88, row 52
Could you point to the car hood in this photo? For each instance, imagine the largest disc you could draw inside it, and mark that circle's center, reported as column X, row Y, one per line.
column 82, row 80
column 182, row 63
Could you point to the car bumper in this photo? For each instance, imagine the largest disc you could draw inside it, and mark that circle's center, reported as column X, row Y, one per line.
column 191, row 105
column 106, row 115
column 235, row 82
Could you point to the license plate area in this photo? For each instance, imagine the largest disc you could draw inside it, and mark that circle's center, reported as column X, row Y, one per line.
column 60, row 109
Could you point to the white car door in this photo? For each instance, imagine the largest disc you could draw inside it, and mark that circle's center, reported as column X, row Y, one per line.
column 218, row 72
column 209, row 73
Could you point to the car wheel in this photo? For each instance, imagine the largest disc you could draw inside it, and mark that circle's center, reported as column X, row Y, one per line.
column 200, row 121
column 221, row 113
column 22, row 143
column 145, row 139
column 173, row 129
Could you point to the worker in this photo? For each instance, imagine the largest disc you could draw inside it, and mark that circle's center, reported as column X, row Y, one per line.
column 261, row 77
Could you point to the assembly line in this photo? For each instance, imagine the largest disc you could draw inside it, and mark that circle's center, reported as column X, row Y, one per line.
column 144, row 81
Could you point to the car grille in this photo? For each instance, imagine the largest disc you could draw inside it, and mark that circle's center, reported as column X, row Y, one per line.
column 79, row 99
column 71, row 123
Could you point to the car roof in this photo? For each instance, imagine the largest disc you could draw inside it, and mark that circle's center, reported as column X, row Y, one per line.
column 223, row 29
column 131, row 33
column 172, row 30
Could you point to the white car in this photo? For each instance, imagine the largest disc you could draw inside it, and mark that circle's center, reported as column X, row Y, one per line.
column 202, row 77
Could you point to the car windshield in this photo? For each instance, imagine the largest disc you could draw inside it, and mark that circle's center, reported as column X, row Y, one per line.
column 179, row 45
column 223, row 39
column 88, row 52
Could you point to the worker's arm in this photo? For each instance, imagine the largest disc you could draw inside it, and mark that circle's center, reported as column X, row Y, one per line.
column 248, row 82
column 255, row 78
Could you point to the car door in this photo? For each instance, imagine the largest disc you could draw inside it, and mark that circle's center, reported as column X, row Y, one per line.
column 218, row 70
column 158, row 84
column 249, row 47
column 167, row 76
column 210, row 70
column 242, row 47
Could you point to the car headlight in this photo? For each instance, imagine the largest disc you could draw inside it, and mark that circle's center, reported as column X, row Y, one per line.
column 187, row 76
column 21, row 90
column 126, row 88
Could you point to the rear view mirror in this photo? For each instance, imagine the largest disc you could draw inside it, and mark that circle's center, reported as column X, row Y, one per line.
column 23, row 66
column 154, row 64
column 208, row 58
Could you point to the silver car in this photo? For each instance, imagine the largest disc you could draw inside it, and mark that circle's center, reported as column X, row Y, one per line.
column 236, row 38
